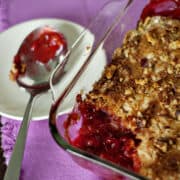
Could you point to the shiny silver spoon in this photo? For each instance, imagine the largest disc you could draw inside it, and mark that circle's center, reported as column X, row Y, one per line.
column 40, row 52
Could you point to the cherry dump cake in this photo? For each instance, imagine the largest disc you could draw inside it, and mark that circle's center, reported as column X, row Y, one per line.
column 132, row 115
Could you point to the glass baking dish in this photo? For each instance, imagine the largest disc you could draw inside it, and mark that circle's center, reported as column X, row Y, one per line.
column 101, row 50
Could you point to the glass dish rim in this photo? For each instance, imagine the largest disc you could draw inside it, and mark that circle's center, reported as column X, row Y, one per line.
column 81, row 153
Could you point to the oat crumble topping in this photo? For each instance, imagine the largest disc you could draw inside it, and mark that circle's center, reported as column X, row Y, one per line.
column 142, row 86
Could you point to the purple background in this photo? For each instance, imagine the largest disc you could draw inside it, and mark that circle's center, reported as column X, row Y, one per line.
column 80, row 11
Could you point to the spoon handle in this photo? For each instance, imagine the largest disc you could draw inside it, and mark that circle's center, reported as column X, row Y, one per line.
column 14, row 166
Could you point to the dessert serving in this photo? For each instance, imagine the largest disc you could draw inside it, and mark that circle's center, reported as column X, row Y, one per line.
column 131, row 117
column 40, row 47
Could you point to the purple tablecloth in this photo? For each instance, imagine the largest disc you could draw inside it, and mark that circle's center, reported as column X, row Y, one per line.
column 43, row 159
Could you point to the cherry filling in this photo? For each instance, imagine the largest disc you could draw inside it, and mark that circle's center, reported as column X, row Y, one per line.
column 102, row 135
column 40, row 45
column 170, row 8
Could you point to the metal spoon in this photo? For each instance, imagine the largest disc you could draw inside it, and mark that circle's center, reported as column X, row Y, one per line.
column 35, row 81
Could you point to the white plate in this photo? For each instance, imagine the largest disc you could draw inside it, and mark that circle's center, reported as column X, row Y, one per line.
column 13, row 100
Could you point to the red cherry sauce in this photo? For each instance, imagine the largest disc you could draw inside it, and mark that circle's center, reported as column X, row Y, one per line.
column 103, row 135
column 40, row 45
column 168, row 8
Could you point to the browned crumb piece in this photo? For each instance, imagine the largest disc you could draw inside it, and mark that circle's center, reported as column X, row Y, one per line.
column 16, row 70
column 88, row 48
column 142, row 87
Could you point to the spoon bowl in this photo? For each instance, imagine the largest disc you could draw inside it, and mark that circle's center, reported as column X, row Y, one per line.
column 40, row 52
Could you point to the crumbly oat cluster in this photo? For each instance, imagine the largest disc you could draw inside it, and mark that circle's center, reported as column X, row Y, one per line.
column 142, row 87
column 16, row 71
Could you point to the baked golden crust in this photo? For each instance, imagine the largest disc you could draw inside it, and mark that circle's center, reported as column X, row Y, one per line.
column 142, row 86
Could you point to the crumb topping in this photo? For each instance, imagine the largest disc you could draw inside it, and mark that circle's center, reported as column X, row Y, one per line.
column 142, row 86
